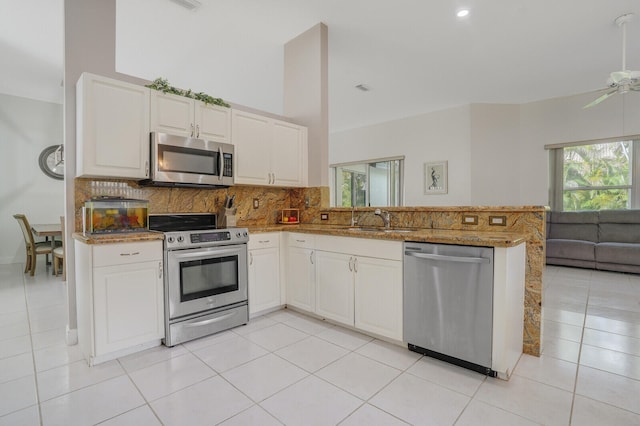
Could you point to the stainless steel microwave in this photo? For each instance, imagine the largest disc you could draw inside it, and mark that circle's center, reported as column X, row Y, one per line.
column 183, row 161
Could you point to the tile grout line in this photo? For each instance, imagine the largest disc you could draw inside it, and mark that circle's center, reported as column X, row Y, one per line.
column 584, row 323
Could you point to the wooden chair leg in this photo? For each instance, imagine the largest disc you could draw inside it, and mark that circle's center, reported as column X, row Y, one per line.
column 55, row 266
column 33, row 265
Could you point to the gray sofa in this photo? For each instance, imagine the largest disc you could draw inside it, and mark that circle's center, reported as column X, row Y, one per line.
column 606, row 239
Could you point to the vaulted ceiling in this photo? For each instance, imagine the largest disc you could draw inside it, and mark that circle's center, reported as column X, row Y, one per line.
column 415, row 56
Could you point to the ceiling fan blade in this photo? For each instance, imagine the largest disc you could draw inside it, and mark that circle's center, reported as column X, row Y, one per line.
column 600, row 99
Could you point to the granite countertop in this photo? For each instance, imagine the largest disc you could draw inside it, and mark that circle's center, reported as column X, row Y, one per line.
column 462, row 237
column 121, row 237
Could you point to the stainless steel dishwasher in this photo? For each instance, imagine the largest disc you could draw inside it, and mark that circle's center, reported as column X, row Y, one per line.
column 448, row 303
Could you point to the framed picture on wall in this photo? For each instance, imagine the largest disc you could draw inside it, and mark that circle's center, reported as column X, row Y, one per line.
column 435, row 178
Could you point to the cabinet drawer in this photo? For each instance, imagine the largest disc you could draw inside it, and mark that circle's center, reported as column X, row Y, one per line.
column 295, row 239
column 266, row 240
column 381, row 249
column 125, row 253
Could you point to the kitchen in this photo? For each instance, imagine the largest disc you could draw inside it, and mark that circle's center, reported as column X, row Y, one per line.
column 467, row 115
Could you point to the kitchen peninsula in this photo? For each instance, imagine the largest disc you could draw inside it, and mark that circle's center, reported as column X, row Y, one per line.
column 431, row 224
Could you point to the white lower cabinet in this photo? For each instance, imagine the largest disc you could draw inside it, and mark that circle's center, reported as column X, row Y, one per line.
column 352, row 281
column 301, row 271
column 120, row 298
column 378, row 296
column 334, row 286
column 264, row 272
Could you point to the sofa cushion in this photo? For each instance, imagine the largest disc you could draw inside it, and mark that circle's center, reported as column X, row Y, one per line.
column 621, row 253
column 571, row 249
column 581, row 225
column 619, row 226
column 620, row 216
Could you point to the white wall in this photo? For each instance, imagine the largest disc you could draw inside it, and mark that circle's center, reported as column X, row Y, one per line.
column 26, row 127
column 563, row 120
column 441, row 135
column 495, row 177
column 496, row 153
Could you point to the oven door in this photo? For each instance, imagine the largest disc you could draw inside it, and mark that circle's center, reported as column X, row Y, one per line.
column 201, row 279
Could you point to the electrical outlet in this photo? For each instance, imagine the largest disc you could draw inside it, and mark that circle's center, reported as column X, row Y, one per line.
column 498, row 220
column 307, row 202
column 469, row 219
column 324, row 216
column 256, row 203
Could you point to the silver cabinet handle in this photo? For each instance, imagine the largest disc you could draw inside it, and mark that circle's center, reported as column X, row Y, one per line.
column 355, row 264
column 264, row 241
column 130, row 254
column 351, row 264
column 311, row 257
column 146, row 168
column 274, row 178
column 197, row 130
column 250, row 259
column 458, row 259
column 301, row 241
column 191, row 130
column 160, row 270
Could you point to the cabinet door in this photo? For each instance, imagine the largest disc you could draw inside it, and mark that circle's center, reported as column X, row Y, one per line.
column 252, row 139
column 289, row 161
column 112, row 119
column 378, row 296
column 128, row 305
column 172, row 114
column 213, row 123
column 334, row 286
column 301, row 278
column 264, row 279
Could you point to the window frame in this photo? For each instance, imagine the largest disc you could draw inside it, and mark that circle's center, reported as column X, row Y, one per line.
column 336, row 196
column 556, row 171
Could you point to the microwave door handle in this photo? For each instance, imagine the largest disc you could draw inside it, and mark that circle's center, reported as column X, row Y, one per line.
column 220, row 163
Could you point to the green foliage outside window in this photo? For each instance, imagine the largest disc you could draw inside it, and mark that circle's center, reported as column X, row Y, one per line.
column 597, row 176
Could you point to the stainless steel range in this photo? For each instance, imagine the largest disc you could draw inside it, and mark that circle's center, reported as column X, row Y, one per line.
column 206, row 273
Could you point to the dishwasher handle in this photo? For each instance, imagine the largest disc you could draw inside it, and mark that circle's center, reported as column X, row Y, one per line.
column 459, row 259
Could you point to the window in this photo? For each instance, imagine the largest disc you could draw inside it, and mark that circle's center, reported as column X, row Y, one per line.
column 596, row 176
column 375, row 183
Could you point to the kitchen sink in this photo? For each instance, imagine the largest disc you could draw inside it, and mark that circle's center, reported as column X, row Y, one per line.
column 362, row 229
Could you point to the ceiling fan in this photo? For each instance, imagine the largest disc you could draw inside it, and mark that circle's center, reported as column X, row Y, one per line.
column 620, row 81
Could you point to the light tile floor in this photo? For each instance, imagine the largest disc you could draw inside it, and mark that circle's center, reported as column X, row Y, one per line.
column 285, row 368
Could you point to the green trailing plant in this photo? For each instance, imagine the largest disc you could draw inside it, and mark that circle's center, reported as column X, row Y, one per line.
column 162, row 85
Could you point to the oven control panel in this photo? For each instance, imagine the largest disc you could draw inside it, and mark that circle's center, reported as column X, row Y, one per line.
column 189, row 239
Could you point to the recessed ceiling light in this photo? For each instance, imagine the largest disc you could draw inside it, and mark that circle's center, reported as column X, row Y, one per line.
column 363, row 87
column 462, row 13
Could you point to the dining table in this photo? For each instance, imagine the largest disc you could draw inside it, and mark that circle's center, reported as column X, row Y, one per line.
column 49, row 231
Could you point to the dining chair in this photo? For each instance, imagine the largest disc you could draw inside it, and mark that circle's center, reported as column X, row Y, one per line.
column 58, row 254
column 33, row 248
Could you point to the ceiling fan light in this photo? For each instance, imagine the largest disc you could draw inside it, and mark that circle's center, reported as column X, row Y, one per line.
column 462, row 13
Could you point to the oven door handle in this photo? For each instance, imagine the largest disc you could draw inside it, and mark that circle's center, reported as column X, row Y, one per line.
column 203, row 254
column 210, row 321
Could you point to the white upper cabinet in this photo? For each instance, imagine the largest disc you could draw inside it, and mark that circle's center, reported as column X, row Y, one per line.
column 112, row 128
column 269, row 151
column 182, row 116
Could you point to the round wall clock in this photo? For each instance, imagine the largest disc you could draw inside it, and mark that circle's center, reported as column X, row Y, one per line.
column 51, row 161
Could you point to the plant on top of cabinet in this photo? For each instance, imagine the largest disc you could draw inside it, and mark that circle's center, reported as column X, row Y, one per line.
column 162, row 85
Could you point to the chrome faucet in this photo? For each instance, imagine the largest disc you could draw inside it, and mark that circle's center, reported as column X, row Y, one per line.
column 386, row 217
column 354, row 219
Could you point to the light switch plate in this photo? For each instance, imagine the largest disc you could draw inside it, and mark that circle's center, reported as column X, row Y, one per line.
column 256, row 203
column 324, row 216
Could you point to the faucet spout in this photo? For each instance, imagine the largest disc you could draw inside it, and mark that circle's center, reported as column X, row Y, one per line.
column 385, row 216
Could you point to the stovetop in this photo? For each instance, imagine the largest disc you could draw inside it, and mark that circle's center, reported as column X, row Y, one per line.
column 195, row 230
column 172, row 222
